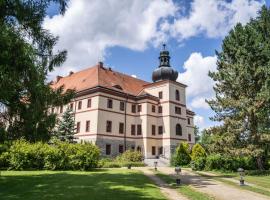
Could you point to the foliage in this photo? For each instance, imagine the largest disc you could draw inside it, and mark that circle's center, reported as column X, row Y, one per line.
column 181, row 155
column 228, row 163
column 66, row 156
column 26, row 58
column 198, row 164
column 130, row 156
column 197, row 152
column 66, row 127
column 242, row 89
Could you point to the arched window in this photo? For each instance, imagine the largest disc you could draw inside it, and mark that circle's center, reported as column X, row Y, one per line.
column 139, row 148
column 178, row 129
column 177, row 95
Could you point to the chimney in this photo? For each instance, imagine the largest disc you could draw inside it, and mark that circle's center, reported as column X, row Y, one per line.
column 70, row 73
column 100, row 64
column 58, row 78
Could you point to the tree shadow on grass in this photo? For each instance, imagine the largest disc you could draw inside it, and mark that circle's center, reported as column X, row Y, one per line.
column 113, row 185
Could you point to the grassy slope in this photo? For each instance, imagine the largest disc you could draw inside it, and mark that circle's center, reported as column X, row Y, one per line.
column 186, row 190
column 111, row 184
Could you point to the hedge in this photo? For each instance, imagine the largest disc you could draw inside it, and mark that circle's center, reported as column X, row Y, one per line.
column 23, row 155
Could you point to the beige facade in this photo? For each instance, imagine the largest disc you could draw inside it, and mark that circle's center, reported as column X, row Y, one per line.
column 145, row 126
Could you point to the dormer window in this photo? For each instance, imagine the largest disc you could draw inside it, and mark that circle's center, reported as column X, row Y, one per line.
column 118, row 87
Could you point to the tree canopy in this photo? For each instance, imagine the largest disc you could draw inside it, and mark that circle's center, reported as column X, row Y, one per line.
column 242, row 88
column 26, row 58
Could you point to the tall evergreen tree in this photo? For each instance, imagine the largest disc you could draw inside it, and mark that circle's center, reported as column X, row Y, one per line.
column 26, row 57
column 243, row 88
column 66, row 126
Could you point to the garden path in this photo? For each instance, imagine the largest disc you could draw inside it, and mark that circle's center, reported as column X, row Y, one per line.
column 214, row 188
column 169, row 192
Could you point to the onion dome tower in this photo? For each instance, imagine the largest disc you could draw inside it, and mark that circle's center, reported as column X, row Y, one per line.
column 164, row 71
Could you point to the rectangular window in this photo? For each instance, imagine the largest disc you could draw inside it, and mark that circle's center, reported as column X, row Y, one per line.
column 71, row 106
column 153, row 151
column 80, row 105
column 139, row 129
column 87, row 126
column 133, row 129
column 109, row 103
column 160, row 109
column 160, row 95
column 153, row 108
column 121, row 148
column 89, row 103
column 160, row 130
column 133, row 108
column 122, row 105
column 177, row 110
column 108, row 149
column 78, row 127
column 121, row 128
column 139, row 108
column 160, row 150
column 189, row 137
column 109, row 126
column 61, row 109
column 153, row 130
column 188, row 120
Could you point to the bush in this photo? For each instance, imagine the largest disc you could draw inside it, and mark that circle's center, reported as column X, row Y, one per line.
column 198, row 152
column 61, row 155
column 130, row 156
column 198, row 164
column 4, row 160
column 182, row 155
column 198, row 156
column 229, row 163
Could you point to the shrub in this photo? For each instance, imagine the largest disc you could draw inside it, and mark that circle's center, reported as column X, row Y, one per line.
column 4, row 160
column 181, row 155
column 198, row 164
column 229, row 163
column 197, row 152
column 130, row 156
column 61, row 155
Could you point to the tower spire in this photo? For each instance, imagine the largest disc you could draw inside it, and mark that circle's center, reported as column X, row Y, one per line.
column 164, row 70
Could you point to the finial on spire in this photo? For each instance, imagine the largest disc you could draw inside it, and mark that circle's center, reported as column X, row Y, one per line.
column 164, row 46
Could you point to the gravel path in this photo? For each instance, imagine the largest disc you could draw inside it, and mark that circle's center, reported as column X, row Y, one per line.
column 214, row 188
column 170, row 193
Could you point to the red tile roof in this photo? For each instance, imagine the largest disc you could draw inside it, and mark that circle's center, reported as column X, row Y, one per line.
column 100, row 76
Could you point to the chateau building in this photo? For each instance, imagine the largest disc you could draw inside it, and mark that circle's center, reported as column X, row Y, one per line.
column 119, row 112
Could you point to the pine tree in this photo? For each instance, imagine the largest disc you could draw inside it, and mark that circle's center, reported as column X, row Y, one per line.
column 66, row 127
column 243, row 88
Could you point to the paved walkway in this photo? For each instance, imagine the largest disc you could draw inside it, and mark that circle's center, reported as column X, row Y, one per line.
column 214, row 188
column 170, row 193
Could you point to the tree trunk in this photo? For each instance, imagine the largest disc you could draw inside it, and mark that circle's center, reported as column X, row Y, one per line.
column 260, row 164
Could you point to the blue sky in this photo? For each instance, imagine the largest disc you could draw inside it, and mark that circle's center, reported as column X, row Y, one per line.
column 127, row 36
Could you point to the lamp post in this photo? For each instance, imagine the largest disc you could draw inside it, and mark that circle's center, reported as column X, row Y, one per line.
column 241, row 172
column 178, row 171
column 155, row 163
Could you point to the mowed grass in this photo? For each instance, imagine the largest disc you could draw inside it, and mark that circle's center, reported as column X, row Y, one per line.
column 111, row 184
column 184, row 189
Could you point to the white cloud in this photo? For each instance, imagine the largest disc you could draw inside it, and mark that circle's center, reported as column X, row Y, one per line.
column 213, row 18
column 199, row 102
column 199, row 121
column 196, row 74
column 200, row 85
column 89, row 27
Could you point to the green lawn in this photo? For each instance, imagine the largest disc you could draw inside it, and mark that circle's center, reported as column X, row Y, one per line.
column 111, row 184
column 186, row 190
